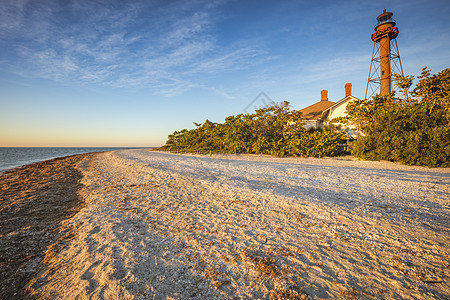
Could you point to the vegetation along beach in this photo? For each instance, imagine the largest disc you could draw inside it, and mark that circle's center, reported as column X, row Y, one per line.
column 141, row 224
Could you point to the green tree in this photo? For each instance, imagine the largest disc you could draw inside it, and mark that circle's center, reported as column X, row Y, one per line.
column 434, row 90
column 276, row 130
column 415, row 131
column 404, row 83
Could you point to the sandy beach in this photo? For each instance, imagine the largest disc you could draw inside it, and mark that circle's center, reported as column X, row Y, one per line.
column 34, row 200
column 153, row 225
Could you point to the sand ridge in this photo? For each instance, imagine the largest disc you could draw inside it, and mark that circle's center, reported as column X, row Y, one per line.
column 167, row 226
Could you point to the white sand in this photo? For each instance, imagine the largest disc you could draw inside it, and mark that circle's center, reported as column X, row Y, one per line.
column 163, row 226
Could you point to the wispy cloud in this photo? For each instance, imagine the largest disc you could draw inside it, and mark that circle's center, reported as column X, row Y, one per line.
column 136, row 44
column 337, row 67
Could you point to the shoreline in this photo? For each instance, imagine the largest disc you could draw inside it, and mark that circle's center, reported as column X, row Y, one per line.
column 15, row 157
column 35, row 200
column 157, row 225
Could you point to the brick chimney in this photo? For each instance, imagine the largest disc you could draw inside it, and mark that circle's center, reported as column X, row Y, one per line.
column 324, row 95
column 348, row 89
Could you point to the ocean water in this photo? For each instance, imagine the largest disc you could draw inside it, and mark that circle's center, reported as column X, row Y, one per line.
column 12, row 157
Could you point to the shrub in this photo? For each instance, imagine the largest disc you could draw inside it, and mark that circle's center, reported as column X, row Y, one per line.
column 414, row 131
column 274, row 130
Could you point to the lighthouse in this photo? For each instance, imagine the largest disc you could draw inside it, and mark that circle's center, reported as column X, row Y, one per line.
column 385, row 55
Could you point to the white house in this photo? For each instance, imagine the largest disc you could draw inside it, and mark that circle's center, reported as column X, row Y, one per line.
column 321, row 113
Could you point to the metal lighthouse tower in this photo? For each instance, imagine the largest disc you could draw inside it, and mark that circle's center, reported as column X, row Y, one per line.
column 385, row 56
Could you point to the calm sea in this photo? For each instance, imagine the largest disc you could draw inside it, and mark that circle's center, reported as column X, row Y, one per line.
column 12, row 157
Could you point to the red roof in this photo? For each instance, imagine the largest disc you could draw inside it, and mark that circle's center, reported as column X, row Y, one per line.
column 313, row 112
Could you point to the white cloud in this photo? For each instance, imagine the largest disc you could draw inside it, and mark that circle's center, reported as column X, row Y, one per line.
column 12, row 15
column 162, row 47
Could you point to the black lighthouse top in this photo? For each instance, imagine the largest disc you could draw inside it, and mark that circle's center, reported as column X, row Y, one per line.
column 385, row 17
column 385, row 27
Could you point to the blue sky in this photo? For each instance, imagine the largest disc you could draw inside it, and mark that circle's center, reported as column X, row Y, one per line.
column 128, row 73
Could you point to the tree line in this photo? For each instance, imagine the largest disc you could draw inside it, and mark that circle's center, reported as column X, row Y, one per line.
column 275, row 130
column 413, row 128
